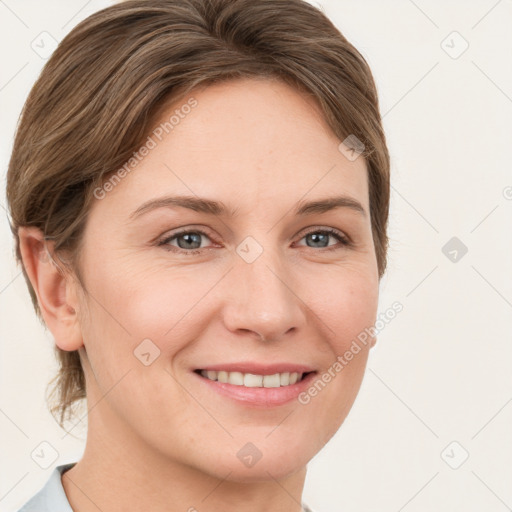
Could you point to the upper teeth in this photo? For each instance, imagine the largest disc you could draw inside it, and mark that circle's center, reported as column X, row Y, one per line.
column 253, row 381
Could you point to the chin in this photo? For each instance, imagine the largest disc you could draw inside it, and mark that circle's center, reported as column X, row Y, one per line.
column 257, row 466
column 261, row 471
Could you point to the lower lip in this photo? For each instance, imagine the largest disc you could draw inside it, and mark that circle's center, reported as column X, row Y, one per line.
column 261, row 397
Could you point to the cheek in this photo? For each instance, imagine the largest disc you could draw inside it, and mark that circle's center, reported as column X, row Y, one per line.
column 347, row 308
column 147, row 301
column 129, row 317
column 167, row 305
column 347, row 302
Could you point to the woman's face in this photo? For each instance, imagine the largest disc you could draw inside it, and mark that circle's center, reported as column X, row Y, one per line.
column 256, row 286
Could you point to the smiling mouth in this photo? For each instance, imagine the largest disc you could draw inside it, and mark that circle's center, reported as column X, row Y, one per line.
column 251, row 380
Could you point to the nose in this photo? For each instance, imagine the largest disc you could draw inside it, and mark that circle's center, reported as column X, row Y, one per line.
column 263, row 299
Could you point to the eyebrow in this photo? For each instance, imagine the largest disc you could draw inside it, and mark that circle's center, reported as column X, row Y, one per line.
column 218, row 208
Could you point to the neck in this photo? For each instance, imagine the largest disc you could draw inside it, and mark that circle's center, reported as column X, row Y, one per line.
column 119, row 471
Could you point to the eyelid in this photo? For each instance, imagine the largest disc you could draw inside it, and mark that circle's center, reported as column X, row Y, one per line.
column 344, row 239
column 162, row 240
column 326, row 229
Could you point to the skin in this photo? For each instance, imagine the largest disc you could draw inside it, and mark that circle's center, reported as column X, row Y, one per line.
column 158, row 439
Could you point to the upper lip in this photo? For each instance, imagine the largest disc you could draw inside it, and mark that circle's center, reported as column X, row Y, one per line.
column 258, row 368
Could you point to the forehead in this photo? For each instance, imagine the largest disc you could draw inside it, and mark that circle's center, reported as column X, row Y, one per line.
column 245, row 141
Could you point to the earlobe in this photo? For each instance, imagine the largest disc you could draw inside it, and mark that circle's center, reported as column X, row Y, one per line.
column 55, row 288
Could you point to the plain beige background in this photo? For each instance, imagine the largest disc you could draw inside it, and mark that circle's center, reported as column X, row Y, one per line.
column 431, row 427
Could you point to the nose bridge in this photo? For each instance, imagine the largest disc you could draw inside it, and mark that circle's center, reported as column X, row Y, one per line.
column 262, row 298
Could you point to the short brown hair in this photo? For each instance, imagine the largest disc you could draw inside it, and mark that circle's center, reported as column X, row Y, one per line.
column 110, row 77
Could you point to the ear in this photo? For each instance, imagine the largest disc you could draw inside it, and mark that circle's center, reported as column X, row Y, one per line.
column 374, row 340
column 56, row 289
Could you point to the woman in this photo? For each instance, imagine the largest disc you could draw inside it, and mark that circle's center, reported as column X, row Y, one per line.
column 199, row 196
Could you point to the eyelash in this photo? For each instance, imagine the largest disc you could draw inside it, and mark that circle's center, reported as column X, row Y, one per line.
column 343, row 240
